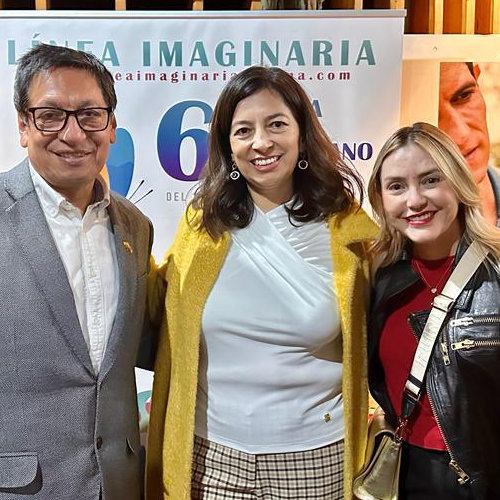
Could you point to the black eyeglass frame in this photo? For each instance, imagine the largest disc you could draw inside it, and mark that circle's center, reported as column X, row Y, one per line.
column 68, row 114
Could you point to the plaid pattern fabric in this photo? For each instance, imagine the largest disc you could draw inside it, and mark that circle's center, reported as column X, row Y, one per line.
column 221, row 473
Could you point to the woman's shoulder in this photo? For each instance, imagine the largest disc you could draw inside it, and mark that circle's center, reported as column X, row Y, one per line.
column 189, row 231
column 352, row 226
column 191, row 236
column 185, row 236
column 382, row 271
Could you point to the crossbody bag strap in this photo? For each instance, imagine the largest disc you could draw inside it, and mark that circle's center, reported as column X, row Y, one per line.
column 441, row 306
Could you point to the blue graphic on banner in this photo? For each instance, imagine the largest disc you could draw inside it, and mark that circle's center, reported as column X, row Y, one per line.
column 170, row 138
column 121, row 157
column 120, row 162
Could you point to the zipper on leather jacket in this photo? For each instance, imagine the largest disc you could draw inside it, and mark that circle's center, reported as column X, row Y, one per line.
column 472, row 343
column 476, row 320
column 443, row 343
column 463, row 477
column 444, row 351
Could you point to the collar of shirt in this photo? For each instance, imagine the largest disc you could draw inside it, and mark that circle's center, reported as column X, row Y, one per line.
column 53, row 202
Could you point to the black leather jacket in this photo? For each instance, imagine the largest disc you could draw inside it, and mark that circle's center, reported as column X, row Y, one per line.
column 463, row 378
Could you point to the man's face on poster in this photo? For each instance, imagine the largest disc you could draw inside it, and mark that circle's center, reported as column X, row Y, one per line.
column 462, row 115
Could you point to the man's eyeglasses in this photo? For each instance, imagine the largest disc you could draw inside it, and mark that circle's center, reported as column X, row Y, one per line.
column 55, row 119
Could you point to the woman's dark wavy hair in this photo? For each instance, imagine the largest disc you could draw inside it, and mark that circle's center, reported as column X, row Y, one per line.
column 327, row 187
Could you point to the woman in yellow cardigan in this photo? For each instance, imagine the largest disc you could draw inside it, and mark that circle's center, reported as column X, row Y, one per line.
column 260, row 377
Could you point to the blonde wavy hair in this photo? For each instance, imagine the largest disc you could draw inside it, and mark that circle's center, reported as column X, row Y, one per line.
column 388, row 246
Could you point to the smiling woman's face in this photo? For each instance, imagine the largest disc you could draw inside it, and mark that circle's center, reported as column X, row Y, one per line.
column 264, row 141
column 419, row 202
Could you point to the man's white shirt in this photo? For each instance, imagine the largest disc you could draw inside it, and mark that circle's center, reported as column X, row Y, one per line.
column 87, row 249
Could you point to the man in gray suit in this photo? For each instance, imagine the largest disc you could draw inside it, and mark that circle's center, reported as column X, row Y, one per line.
column 74, row 259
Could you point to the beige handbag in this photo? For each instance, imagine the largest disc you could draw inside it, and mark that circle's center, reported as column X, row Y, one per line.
column 380, row 474
column 379, row 478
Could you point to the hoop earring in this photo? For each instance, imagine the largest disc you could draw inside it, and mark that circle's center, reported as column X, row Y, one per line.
column 235, row 173
column 303, row 164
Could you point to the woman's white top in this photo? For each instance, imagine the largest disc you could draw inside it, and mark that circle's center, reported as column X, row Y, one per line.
column 270, row 373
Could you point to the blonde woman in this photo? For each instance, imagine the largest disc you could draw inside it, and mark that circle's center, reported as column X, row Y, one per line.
column 428, row 207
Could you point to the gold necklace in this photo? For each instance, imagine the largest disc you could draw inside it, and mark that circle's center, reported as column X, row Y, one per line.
column 434, row 288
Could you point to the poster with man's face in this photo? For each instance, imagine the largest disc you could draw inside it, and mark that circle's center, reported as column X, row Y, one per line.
column 453, row 82
column 469, row 101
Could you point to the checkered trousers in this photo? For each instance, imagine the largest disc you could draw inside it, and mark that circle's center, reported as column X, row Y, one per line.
column 220, row 473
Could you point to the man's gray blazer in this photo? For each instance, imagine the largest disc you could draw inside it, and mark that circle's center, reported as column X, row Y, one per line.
column 65, row 433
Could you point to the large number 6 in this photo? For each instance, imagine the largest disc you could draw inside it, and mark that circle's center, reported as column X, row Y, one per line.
column 170, row 138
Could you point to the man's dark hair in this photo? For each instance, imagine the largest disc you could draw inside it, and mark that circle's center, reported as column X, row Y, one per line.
column 45, row 58
column 470, row 66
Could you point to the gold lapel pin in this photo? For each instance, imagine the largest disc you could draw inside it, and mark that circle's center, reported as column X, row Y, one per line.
column 128, row 247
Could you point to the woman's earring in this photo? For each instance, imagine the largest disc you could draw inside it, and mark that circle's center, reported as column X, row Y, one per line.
column 235, row 173
column 303, row 164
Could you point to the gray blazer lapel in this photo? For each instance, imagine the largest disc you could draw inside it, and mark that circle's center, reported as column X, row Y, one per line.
column 35, row 240
column 127, row 269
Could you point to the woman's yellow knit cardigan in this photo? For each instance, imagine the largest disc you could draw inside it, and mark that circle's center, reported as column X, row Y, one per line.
column 190, row 268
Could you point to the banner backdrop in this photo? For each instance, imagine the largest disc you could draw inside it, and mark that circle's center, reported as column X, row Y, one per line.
column 169, row 70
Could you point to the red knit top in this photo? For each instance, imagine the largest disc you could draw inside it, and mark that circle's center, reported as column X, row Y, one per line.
column 398, row 344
